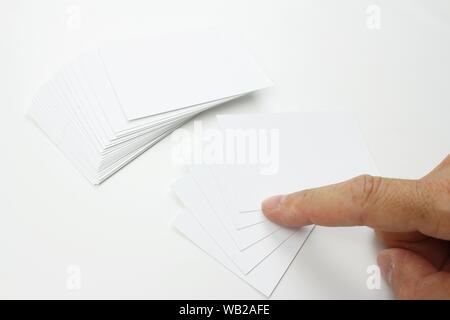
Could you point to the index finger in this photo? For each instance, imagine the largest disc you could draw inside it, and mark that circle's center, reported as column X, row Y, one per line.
column 388, row 204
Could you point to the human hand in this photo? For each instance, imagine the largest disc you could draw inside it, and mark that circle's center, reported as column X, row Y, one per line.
column 411, row 217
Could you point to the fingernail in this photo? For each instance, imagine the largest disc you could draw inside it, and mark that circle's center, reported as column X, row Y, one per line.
column 386, row 266
column 272, row 204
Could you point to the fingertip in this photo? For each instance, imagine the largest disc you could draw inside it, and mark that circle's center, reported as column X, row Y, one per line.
column 279, row 210
column 271, row 207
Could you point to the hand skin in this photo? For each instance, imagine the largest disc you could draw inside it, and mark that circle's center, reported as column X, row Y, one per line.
column 411, row 217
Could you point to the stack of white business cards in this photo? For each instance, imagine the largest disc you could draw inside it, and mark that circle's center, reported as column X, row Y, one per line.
column 252, row 157
column 108, row 106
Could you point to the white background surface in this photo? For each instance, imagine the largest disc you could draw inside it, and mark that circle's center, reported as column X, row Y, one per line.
column 320, row 54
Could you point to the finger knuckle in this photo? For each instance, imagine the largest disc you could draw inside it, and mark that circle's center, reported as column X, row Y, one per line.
column 365, row 190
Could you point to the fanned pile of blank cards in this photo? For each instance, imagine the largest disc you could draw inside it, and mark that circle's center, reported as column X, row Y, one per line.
column 110, row 105
column 289, row 152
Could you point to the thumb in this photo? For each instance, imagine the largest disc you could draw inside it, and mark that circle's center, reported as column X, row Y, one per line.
column 413, row 277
